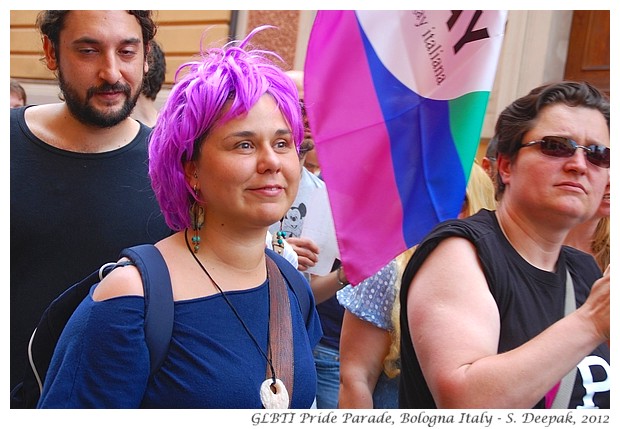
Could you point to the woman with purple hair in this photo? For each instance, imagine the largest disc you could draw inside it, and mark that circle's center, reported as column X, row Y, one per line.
column 224, row 166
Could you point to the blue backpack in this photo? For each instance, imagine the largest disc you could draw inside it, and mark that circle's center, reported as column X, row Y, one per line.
column 158, row 315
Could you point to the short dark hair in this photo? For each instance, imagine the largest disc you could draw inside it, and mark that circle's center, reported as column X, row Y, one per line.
column 51, row 23
column 491, row 152
column 520, row 116
column 155, row 77
column 18, row 89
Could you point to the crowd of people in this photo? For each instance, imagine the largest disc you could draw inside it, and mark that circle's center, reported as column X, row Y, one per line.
column 220, row 180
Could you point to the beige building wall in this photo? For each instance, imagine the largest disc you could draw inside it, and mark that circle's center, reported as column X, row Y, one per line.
column 534, row 51
column 180, row 33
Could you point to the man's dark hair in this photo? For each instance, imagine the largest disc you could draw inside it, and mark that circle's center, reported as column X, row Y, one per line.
column 51, row 23
column 18, row 89
column 521, row 116
column 155, row 77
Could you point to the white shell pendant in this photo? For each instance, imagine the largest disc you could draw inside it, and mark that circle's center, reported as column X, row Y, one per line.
column 271, row 400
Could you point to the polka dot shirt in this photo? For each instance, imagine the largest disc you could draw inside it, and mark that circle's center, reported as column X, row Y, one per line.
column 372, row 300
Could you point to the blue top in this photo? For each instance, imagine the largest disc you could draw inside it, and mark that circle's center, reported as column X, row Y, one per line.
column 373, row 299
column 212, row 362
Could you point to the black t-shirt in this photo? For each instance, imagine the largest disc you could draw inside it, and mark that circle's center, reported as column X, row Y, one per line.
column 529, row 300
column 70, row 213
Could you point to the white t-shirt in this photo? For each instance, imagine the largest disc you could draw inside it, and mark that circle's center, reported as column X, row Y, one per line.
column 288, row 253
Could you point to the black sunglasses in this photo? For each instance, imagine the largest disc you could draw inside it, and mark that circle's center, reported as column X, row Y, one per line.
column 563, row 147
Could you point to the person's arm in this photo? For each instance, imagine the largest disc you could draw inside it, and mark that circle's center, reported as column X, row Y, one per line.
column 363, row 346
column 324, row 287
column 455, row 327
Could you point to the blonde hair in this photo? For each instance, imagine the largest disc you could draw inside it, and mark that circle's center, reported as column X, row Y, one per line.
column 601, row 243
column 479, row 195
column 391, row 362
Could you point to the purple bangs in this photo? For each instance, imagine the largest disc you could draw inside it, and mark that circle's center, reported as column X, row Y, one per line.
column 195, row 105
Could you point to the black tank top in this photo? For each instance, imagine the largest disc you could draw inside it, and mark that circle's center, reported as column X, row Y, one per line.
column 529, row 300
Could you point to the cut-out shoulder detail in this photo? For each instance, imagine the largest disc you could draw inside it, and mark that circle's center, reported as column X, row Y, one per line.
column 122, row 281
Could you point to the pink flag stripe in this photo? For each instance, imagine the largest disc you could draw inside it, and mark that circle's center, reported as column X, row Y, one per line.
column 353, row 89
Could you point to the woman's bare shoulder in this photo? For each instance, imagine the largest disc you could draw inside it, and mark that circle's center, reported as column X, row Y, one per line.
column 121, row 281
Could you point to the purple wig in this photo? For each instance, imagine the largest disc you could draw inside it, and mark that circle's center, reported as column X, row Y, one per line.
column 196, row 104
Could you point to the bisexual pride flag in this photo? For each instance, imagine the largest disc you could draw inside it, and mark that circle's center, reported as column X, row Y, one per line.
column 396, row 102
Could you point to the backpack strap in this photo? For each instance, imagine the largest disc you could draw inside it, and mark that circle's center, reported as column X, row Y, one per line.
column 292, row 276
column 158, row 300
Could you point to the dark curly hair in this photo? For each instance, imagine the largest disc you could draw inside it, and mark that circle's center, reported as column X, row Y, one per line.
column 155, row 77
column 51, row 23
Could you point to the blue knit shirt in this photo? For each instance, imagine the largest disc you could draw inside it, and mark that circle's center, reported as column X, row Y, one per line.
column 102, row 360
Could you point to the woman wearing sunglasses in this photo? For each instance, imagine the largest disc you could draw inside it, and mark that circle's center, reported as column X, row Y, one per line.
column 486, row 301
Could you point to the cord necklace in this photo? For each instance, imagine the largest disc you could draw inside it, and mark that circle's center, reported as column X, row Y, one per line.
column 275, row 386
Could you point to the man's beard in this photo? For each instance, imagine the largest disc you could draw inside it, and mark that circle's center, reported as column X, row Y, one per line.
column 87, row 114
